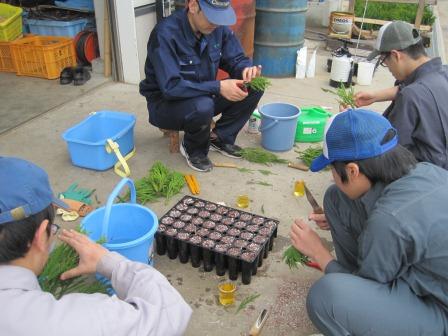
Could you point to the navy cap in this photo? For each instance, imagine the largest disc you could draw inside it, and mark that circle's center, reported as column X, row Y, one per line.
column 218, row 12
column 355, row 134
column 25, row 190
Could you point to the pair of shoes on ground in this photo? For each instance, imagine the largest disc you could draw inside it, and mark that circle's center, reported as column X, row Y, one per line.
column 78, row 75
column 202, row 163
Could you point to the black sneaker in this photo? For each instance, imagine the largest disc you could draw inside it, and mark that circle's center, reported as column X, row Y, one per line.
column 199, row 163
column 229, row 150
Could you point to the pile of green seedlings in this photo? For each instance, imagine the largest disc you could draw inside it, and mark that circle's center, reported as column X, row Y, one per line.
column 62, row 259
column 160, row 182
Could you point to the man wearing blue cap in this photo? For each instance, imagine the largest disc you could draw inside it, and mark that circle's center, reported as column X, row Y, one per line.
column 185, row 52
column 388, row 220
column 146, row 304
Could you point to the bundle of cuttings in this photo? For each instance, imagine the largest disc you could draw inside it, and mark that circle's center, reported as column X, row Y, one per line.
column 292, row 257
column 160, row 182
column 259, row 155
column 62, row 259
column 346, row 97
column 259, row 83
column 309, row 154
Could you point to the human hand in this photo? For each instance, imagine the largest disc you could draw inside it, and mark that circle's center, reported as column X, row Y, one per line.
column 231, row 89
column 307, row 241
column 90, row 253
column 251, row 72
column 320, row 219
column 363, row 98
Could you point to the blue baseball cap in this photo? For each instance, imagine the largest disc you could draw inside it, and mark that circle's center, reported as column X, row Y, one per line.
column 355, row 134
column 25, row 190
column 218, row 12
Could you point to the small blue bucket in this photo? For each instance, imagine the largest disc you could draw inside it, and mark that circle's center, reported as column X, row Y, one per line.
column 278, row 126
column 87, row 141
column 128, row 228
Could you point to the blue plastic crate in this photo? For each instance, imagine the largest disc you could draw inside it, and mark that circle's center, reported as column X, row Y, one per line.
column 25, row 28
column 56, row 28
column 87, row 140
column 86, row 5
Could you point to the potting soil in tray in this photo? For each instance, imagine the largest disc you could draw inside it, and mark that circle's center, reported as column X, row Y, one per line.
column 216, row 236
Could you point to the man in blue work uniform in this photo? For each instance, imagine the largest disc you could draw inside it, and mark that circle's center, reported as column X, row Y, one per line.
column 185, row 52
column 388, row 220
column 419, row 108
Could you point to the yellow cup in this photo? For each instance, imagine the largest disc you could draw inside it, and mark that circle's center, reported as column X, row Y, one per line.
column 242, row 201
column 299, row 188
column 227, row 293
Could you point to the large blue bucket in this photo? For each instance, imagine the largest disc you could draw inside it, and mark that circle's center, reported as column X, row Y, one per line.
column 128, row 228
column 278, row 126
column 279, row 33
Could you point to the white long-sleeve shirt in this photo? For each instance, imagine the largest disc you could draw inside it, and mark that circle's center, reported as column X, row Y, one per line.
column 146, row 304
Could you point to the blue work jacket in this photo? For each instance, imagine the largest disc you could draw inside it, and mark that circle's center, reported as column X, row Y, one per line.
column 180, row 66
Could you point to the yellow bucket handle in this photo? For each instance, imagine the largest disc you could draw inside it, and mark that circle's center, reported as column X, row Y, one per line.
column 113, row 146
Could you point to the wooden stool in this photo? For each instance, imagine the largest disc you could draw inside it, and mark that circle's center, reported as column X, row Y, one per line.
column 173, row 135
column 174, row 139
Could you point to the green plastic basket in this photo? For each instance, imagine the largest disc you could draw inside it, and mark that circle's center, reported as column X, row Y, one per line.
column 10, row 22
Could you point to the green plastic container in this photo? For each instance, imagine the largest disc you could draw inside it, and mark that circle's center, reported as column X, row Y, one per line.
column 310, row 125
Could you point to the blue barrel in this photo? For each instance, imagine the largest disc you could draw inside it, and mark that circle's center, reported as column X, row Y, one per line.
column 279, row 33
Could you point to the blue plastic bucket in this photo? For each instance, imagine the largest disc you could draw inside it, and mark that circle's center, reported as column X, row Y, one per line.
column 278, row 126
column 87, row 140
column 128, row 228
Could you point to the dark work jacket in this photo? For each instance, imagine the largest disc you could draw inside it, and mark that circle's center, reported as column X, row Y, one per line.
column 180, row 66
column 405, row 233
column 420, row 113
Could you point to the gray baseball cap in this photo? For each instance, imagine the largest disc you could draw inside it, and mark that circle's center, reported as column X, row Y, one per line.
column 397, row 35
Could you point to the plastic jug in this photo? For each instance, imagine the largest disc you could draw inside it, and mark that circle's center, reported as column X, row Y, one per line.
column 311, row 124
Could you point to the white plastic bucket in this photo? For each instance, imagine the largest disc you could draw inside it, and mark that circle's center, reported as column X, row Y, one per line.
column 365, row 73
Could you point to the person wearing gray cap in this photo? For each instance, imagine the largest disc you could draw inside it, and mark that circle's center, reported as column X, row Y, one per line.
column 419, row 108
column 145, row 304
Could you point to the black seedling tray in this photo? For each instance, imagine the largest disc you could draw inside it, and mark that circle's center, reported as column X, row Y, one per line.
column 216, row 236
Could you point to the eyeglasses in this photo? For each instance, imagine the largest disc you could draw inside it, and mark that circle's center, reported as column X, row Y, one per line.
column 383, row 59
column 54, row 229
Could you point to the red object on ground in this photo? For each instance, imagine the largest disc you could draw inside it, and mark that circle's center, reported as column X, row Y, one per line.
column 313, row 265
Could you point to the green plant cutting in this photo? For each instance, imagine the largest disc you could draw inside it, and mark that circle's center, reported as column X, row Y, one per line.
column 293, row 258
column 160, row 182
column 309, row 154
column 246, row 301
column 262, row 183
column 259, row 155
column 346, row 97
column 259, row 83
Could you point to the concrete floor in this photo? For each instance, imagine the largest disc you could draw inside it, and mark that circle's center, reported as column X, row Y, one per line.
column 283, row 292
column 24, row 98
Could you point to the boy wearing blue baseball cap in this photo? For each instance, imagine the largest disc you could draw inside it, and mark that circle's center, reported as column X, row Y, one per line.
column 388, row 220
column 146, row 304
column 185, row 51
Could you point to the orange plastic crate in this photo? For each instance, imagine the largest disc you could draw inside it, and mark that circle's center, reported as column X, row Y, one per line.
column 6, row 61
column 43, row 56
